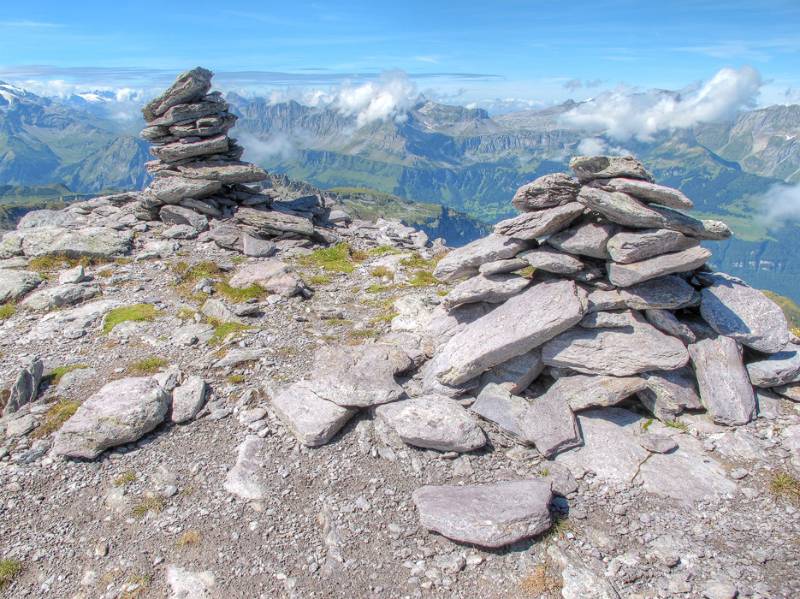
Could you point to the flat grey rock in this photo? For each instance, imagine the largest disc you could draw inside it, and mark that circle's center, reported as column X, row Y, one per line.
column 579, row 581
column 668, row 393
column 491, row 515
column 502, row 266
column 550, row 260
column 72, row 275
column 625, row 275
column 70, row 323
column 172, row 190
column 180, row 232
column 92, row 242
column 272, row 223
column 60, row 296
column 188, row 399
column 668, row 293
column 497, row 404
column 768, row 404
column 586, row 239
column 626, row 210
column 582, row 391
column 648, row 192
column 245, row 479
column 609, row 320
column 121, row 412
column 655, row 443
column 492, row 289
column 633, row 246
column 433, row 422
column 616, row 352
column 550, row 425
column 541, row 223
column 666, row 322
column 272, row 275
column 359, row 376
column 789, row 391
column 725, row 389
column 515, row 374
column 465, row 261
column 547, row 191
column 257, row 248
column 227, row 173
column 49, row 218
column 238, row 356
column 18, row 427
column 188, row 86
column 175, row 152
column 776, row 369
column 14, row 284
column 313, row 420
column 179, row 215
column 736, row 310
column 519, row 325
column 25, row 387
column 587, row 168
column 216, row 310
column 186, row 584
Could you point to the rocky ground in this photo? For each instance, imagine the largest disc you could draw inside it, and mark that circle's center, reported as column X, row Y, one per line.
column 153, row 518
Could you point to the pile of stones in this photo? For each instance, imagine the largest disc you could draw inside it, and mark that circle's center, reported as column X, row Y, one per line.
column 200, row 183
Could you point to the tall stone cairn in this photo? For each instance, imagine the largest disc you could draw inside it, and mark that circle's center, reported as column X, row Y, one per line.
column 198, row 175
column 621, row 307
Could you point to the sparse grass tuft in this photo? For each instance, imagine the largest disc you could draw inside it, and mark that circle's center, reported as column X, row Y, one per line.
column 678, row 425
column 560, row 527
column 189, row 538
column 9, row 570
column 132, row 313
column 186, row 314
column 43, row 264
column 384, row 250
column 105, row 273
column 527, row 272
column 319, row 280
column 785, row 485
column 7, row 310
column 55, row 417
column 237, row 295
column 236, row 379
column 194, row 272
column 137, row 586
column 382, row 272
column 357, row 335
column 542, row 582
column 125, row 478
column 58, row 373
column 646, row 424
column 377, row 288
column 149, row 503
column 223, row 329
column 149, row 365
column 338, row 258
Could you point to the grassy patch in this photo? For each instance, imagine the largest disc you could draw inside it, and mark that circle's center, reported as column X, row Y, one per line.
column 189, row 538
column 678, row 425
column 186, row 314
column 647, row 424
column 132, row 313
column 236, row 379
column 137, row 586
column 337, row 258
column 105, row 273
column 55, row 417
column 384, row 250
column 319, row 280
column 43, row 264
column 527, row 272
column 194, row 272
column 785, row 485
column 58, row 373
column 124, row 479
column 223, row 329
column 150, row 503
column 358, row 335
column 148, row 365
column 9, row 570
column 790, row 309
column 378, row 288
column 7, row 310
column 544, row 581
column 237, row 295
column 422, row 278
column 382, row 272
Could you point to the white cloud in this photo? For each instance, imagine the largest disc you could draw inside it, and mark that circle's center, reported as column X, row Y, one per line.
column 625, row 114
column 388, row 98
column 597, row 146
column 780, row 204
column 259, row 150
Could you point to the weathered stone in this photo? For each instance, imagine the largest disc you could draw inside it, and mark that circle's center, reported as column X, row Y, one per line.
column 216, row 310
column 72, row 275
column 14, row 284
column 634, row 246
column 508, row 411
column 49, row 218
column 272, row 275
column 669, row 293
column 257, row 248
column 313, row 420
column 189, row 86
column 433, row 422
column 582, row 391
column 550, row 260
column 625, row 275
column 578, row 581
column 271, row 223
column 655, row 443
column 516, row 374
column 180, row 232
column 191, row 585
column 532, row 225
column 245, row 478
column 768, row 404
column 206, row 206
column 227, row 173
column 25, row 387
column 666, row 322
column 548, row 191
column 776, row 369
column 188, row 399
column 120, row 412
column 178, row 215
column 490, row 515
column 359, row 376
column 502, row 266
column 586, row 239
column 738, row 311
column 172, row 190
column 609, row 320
column 647, row 192
column 625, row 210
column 92, row 242
column 493, row 289
column 60, row 296
column 587, row 168
column 18, row 427
column 239, row 356
column 725, row 389
column 519, row 325
column 181, row 150
column 184, row 117
column 789, row 391
column 616, row 352
column 550, row 425
column 669, row 393
column 465, row 261
column 10, row 245
column 227, row 236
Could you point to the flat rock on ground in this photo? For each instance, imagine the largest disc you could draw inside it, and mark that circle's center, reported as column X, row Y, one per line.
column 776, row 369
column 493, row 289
column 14, row 284
column 313, row 420
column 245, row 478
column 492, row 515
column 517, row 373
column 93, row 242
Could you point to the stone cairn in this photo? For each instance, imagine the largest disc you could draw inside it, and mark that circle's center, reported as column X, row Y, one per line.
column 198, row 176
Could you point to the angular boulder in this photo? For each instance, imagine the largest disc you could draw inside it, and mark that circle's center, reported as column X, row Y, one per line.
column 587, row 168
column 550, row 260
column 667, row 394
column 227, row 173
column 625, row 275
column 547, row 191
column 25, row 387
column 272, row 275
column 465, row 261
column 122, row 411
column 532, row 225
column 245, row 478
column 179, row 215
column 92, row 242
column 14, row 284
column 666, row 293
column 493, row 289
column 634, row 246
column 313, row 420
column 60, row 296
column 172, row 190
column 189, row 86
column 776, row 369
column 581, row 391
column 188, row 399
column 586, row 239
column 647, row 192
column 515, row 374
column 491, row 515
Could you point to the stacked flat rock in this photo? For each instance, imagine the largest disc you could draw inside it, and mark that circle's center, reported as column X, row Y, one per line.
column 620, row 307
column 198, row 175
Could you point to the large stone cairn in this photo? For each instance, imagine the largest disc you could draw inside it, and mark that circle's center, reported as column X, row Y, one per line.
column 198, row 174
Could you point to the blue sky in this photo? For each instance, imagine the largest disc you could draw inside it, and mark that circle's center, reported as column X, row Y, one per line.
column 538, row 50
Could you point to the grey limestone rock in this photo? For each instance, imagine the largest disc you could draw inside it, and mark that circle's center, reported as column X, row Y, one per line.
column 647, row 192
column 586, row 239
column 188, row 399
column 634, row 246
column 14, row 284
column 541, row 223
column 553, row 261
column 25, row 387
column 625, row 275
column 547, row 191
column 313, row 420
column 173, row 190
column 493, row 289
column 587, row 168
column 465, row 261
column 245, row 478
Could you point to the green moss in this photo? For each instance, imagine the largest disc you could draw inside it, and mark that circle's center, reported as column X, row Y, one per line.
column 378, row 288
column 384, row 250
column 149, row 365
column 57, row 373
column 125, row 478
column 785, row 485
column 319, row 280
column 677, row 424
column 239, row 295
column 236, row 379
column 194, row 272
column 7, row 311
column 9, row 570
column 133, row 313
column 422, row 278
column 382, row 272
column 151, row 503
column 646, row 424
column 223, row 329
column 55, row 417
column 336, row 258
